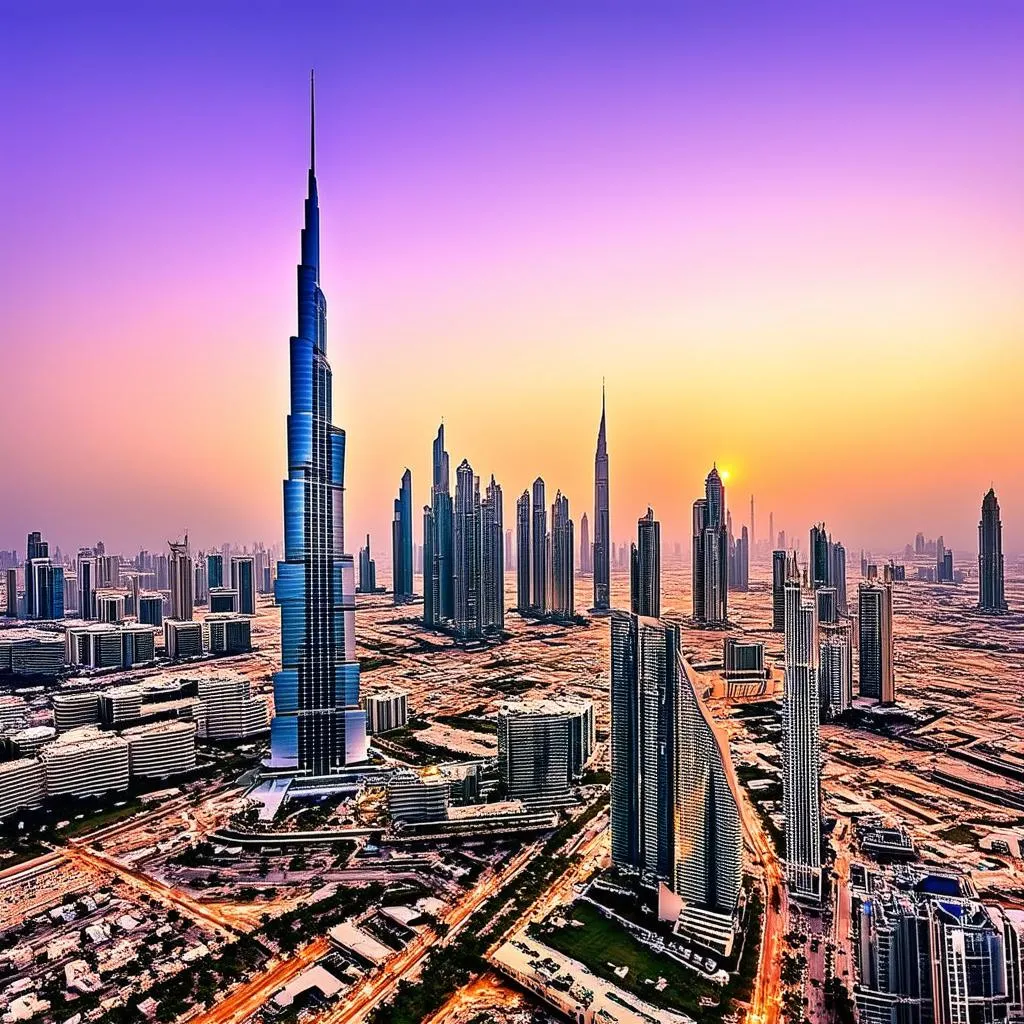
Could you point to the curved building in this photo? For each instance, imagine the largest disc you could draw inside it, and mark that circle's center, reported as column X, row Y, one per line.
column 161, row 749
column 318, row 725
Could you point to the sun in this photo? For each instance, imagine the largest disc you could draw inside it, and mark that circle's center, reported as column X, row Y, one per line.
column 725, row 474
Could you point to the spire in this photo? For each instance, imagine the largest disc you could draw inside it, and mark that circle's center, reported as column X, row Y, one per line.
column 312, row 123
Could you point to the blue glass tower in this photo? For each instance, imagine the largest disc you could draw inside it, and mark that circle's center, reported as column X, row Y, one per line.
column 318, row 726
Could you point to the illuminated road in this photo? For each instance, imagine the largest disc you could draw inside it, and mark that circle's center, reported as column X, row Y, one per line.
column 248, row 998
column 766, row 1003
column 211, row 915
column 362, row 998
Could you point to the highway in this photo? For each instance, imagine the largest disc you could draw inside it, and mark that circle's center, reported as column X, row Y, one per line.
column 245, row 1000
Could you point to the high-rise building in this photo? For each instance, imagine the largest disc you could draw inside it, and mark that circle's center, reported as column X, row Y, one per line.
column 367, row 570
column 710, row 554
column 243, row 581
column 467, row 550
column 780, row 563
column 820, row 558
column 318, row 726
column 877, row 674
column 431, row 598
column 645, row 666
column 839, row 576
column 36, row 549
column 561, row 600
column 492, row 559
column 523, row 597
column 801, row 783
column 442, row 562
column 11, row 606
column 586, row 553
column 45, row 597
column 510, row 551
column 602, row 523
column 991, row 597
column 739, row 559
column 214, row 570
column 835, row 667
column 645, row 567
column 181, row 578
column 539, row 559
column 401, row 542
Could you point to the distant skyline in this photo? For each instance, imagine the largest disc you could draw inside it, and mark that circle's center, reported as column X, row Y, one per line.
column 792, row 241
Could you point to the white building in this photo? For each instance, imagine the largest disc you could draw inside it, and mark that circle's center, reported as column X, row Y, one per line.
column 161, row 749
column 231, row 710
column 418, row 795
column 183, row 639
column 13, row 711
column 385, row 710
column 85, row 762
column 31, row 652
column 229, row 633
column 73, row 710
column 26, row 742
column 110, row 645
column 21, row 785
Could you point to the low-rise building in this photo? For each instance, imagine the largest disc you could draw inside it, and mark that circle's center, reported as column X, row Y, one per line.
column 73, row 710
column 229, row 633
column 183, row 639
column 418, row 795
column 386, row 710
column 21, row 785
column 160, row 749
column 231, row 711
column 85, row 762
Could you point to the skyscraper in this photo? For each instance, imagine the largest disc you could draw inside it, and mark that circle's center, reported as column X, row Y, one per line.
column 243, row 582
column 214, row 570
column 492, row 559
column 602, row 527
column 839, row 576
column 467, row 550
column 739, row 559
column 318, row 726
column 779, row 563
column 820, row 557
column 801, row 784
column 991, row 597
column 645, row 567
column 443, row 564
column 539, row 514
column 431, row 598
column 523, row 599
column 181, row 579
column 877, row 675
column 401, row 542
column 367, row 570
column 563, row 548
column 835, row 667
column 710, row 554
column 11, row 604
column 85, row 570
column 644, row 681
column 586, row 553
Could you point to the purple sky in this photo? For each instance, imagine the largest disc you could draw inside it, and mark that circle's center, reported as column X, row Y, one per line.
column 790, row 235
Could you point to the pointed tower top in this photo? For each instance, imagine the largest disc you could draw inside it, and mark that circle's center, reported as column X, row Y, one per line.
column 312, row 122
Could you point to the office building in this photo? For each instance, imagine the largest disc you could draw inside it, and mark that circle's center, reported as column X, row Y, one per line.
column 492, row 560
column 158, row 750
column 151, row 609
column 438, row 534
column 110, row 606
column 835, row 668
column 560, row 595
column 367, row 570
column 710, row 554
column 780, row 565
column 401, row 542
column 73, row 710
column 523, row 596
column 739, row 558
column 586, row 562
column 645, row 568
column 228, row 633
column 223, row 599
column 243, row 582
column 539, row 559
column 645, row 666
column 11, row 593
column 214, row 570
column 28, row 742
column 318, row 725
column 466, row 546
column 85, row 571
column 85, row 762
column 839, row 577
column 26, row 652
column 742, row 659
column 13, row 711
column 181, row 580
column 828, row 605
column 230, row 710
column 182, row 639
column 22, row 785
column 819, row 566
column 543, row 745
column 602, row 525
column 801, row 782
column 110, row 645
column 876, row 662
column 991, row 596
column 418, row 795
column 386, row 710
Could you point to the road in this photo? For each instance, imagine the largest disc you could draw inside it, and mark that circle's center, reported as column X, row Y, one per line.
column 218, row 918
column 766, row 1003
column 237, row 1006
column 361, row 999
column 842, row 918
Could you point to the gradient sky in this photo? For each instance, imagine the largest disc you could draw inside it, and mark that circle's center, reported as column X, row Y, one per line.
column 791, row 236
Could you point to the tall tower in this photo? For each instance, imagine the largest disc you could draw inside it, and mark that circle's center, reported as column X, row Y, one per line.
column 540, row 547
column 801, row 781
column 523, row 599
column 492, row 559
column 602, row 541
column 991, row 597
column 586, row 554
column 645, row 567
column 318, row 726
column 877, row 674
column 443, row 566
column 563, row 578
column 467, row 550
column 181, row 578
column 401, row 542
column 710, row 554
